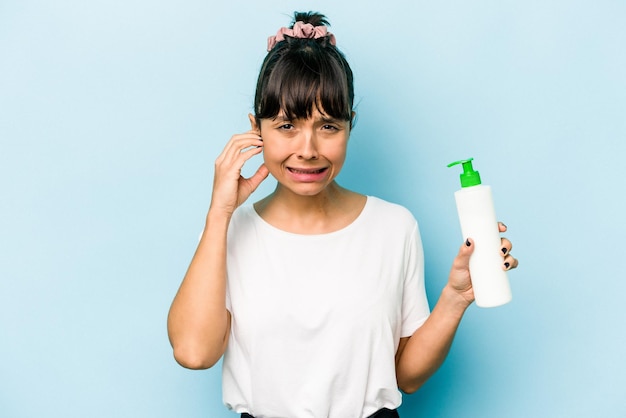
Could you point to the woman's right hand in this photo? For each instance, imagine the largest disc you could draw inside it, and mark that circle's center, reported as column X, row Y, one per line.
column 230, row 188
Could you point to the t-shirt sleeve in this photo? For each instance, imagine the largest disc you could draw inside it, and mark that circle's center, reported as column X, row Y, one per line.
column 415, row 308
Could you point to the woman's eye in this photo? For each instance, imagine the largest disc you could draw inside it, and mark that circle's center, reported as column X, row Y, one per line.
column 330, row 127
column 286, row 126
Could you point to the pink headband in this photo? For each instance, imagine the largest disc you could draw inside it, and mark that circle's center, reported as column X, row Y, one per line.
column 300, row 30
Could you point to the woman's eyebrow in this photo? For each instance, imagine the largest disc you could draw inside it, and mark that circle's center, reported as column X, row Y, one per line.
column 329, row 120
column 281, row 118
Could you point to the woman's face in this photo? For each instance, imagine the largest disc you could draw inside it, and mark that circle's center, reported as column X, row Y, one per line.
column 304, row 155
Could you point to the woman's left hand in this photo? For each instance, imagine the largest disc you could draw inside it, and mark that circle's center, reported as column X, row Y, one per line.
column 460, row 280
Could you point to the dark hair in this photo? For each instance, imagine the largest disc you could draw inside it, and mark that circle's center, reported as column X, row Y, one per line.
column 298, row 74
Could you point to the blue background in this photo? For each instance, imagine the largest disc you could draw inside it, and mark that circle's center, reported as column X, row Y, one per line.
column 111, row 116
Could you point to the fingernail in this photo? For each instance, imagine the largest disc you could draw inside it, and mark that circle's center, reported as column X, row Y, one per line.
column 504, row 250
column 503, row 224
column 468, row 243
column 507, row 265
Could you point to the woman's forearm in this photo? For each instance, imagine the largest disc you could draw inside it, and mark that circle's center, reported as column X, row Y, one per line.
column 425, row 351
column 198, row 322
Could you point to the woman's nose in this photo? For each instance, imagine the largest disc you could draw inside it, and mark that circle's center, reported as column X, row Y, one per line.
column 308, row 147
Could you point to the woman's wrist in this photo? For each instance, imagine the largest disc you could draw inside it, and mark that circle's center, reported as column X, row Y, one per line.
column 456, row 301
column 218, row 215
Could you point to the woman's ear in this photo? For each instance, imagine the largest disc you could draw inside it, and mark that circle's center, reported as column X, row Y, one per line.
column 253, row 124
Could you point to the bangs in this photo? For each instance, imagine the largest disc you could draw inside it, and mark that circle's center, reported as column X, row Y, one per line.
column 302, row 81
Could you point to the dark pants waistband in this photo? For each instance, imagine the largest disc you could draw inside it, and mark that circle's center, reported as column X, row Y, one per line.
column 383, row 413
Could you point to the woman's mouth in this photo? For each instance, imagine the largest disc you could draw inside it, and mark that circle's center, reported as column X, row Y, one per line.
column 307, row 175
column 306, row 170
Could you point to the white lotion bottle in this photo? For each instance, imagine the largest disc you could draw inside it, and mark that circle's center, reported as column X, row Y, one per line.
column 474, row 202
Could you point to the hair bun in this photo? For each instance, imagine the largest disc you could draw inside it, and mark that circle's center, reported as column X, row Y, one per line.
column 314, row 18
column 306, row 26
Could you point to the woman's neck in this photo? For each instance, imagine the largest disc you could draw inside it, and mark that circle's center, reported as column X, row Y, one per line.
column 329, row 211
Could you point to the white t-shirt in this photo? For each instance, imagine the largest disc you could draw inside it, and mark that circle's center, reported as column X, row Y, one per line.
column 316, row 319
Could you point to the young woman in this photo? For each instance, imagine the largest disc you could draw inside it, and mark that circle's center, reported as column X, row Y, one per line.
column 315, row 294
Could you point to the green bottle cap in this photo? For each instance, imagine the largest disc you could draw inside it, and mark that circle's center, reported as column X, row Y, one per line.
column 469, row 177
